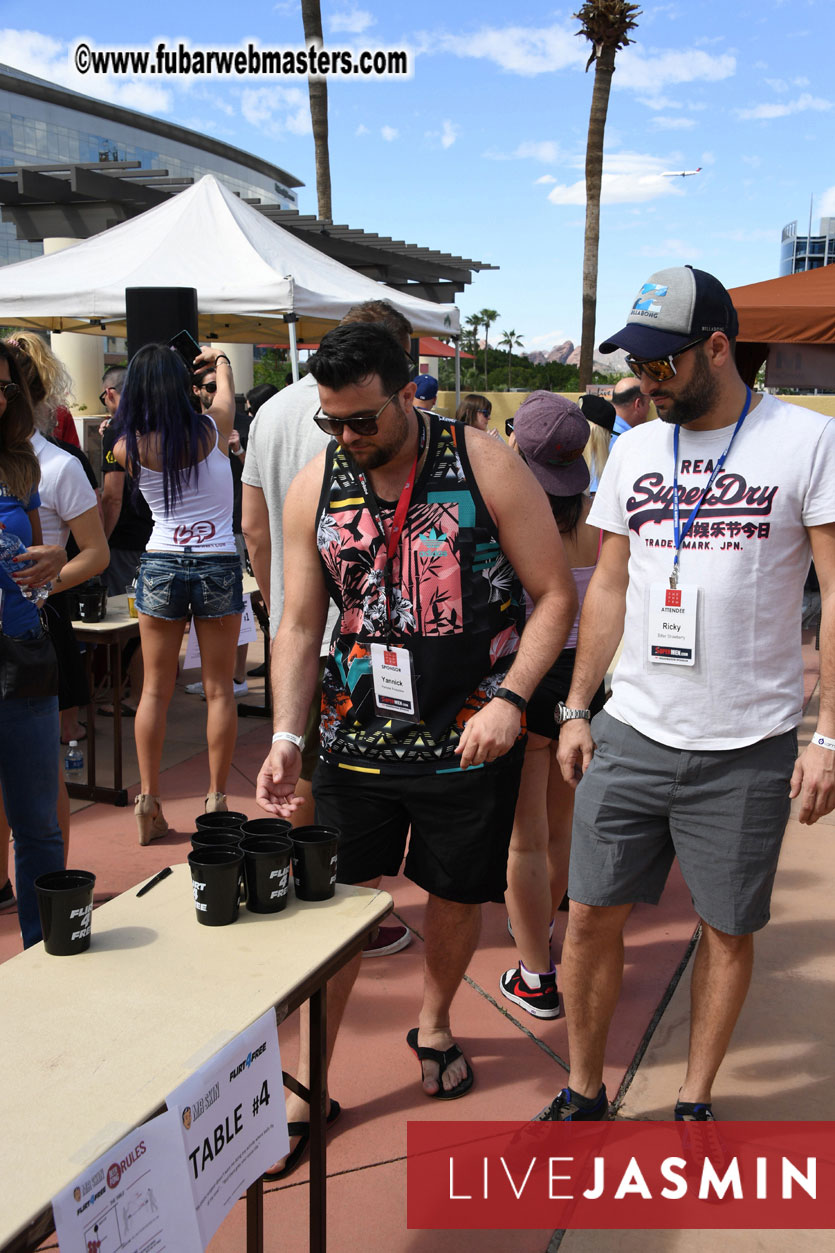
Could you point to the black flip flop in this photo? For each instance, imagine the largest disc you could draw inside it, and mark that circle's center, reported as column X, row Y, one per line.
column 300, row 1129
column 443, row 1060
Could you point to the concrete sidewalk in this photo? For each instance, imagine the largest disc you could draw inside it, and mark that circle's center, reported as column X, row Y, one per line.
column 779, row 1066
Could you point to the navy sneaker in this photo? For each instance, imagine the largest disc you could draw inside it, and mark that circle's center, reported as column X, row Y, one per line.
column 568, row 1106
column 687, row 1111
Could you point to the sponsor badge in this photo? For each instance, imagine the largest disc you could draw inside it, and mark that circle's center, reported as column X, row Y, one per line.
column 393, row 675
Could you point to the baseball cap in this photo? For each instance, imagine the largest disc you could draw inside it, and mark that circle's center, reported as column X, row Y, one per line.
column 551, row 432
column 599, row 410
column 674, row 308
column 427, row 387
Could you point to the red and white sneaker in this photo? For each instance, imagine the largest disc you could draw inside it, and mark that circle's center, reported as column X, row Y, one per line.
column 388, row 940
column 537, row 993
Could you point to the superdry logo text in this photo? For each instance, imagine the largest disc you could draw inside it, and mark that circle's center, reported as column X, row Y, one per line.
column 731, row 496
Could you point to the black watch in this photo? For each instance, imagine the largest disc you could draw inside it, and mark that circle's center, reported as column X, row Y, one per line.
column 513, row 698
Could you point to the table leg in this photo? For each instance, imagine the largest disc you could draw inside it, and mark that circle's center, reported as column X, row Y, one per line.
column 115, row 660
column 255, row 1217
column 318, row 1163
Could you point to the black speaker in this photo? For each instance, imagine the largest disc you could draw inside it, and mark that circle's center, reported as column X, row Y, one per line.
column 155, row 315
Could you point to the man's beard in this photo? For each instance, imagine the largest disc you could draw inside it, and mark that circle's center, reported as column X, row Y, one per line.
column 381, row 454
column 696, row 399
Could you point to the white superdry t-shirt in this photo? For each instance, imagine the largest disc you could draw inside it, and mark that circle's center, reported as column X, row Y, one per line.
column 748, row 552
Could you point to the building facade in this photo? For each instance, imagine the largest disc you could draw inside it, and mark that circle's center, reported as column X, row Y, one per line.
column 804, row 252
column 41, row 123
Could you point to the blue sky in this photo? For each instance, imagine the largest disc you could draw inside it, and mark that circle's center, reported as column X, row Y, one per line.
column 480, row 152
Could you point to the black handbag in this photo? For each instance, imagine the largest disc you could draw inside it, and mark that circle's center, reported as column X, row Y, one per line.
column 28, row 668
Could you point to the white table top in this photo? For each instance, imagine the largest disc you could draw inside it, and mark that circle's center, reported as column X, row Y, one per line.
column 92, row 1044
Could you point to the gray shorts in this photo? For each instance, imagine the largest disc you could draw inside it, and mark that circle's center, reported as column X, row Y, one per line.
column 723, row 814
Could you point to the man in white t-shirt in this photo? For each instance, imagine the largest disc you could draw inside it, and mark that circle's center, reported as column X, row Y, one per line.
column 695, row 754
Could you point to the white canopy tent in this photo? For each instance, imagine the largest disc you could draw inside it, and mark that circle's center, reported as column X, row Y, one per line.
column 255, row 281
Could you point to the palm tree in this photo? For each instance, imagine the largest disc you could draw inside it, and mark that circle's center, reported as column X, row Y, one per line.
column 318, row 92
column 470, row 337
column 510, row 340
column 605, row 23
column 487, row 317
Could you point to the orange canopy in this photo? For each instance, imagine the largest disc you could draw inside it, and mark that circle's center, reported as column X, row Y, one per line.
column 796, row 309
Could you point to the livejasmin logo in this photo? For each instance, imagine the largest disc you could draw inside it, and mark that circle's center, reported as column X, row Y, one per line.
column 620, row 1175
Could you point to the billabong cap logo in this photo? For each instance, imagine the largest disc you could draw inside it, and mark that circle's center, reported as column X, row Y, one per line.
column 649, row 293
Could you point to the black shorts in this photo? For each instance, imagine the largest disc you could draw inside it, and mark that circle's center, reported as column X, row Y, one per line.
column 72, row 677
column 460, row 826
column 554, row 687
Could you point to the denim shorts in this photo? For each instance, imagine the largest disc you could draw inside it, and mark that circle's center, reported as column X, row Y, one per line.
column 177, row 585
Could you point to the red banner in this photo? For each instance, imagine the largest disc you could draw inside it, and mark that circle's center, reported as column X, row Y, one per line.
column 621, row 1175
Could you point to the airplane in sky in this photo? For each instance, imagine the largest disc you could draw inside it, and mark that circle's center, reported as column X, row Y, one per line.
column 681, row 173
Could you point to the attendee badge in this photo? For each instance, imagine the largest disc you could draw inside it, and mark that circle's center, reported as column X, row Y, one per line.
column 393, row 675
column 672, row 624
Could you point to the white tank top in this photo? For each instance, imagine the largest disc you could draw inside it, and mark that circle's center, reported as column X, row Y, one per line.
column 202, row 517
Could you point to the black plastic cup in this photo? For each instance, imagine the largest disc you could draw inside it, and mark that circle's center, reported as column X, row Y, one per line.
column 219, row 822
column 267, row 870
column 215, row 873
column 65, row 904
column 216, row 839
column 314, row 862
column 267, row 826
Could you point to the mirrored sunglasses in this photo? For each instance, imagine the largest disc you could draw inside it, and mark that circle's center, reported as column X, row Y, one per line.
column 660, row 369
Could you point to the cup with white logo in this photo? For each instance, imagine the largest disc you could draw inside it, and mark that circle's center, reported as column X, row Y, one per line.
column 65, row 905
column 267, row 871
column 215, row 874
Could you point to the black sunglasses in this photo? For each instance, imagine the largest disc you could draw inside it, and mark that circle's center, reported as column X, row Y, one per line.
column 9, row 390
column 211, row 388
column 360, row 426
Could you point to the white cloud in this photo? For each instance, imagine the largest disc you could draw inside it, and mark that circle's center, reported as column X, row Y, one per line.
column 550, row 337
column 648, row 71
column 29, row 50
column 673, row 123
column 449, row 133
column 754, row 161
column 660, row 102
column 546, row 151
column 628, row 178
column 389, row 133
column 777, row 84
column 676, row 250
column 362, row 130
column 826, row 204
column 354, row 21
column 803, row 104
column 546, row 179
column 526, row 50
column 276, row 110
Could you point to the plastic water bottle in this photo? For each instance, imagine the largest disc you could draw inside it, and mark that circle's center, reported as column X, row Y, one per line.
column 74, row 763
column 11, row 546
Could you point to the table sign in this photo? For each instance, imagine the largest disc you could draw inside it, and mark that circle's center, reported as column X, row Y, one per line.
column 233, row 1121
column 248, row 635
column 135, row 1197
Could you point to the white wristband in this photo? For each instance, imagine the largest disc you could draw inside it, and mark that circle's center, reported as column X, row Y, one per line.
column 823, row 741
column 298, row 740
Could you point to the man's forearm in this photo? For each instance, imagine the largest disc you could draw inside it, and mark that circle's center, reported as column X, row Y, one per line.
column 260, row 558
column 542, row 640
column 601, row 628
column 110, row 513
column 294, row 671
column 826, row 684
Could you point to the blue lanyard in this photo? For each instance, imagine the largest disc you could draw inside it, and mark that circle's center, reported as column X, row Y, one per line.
column 681, row 535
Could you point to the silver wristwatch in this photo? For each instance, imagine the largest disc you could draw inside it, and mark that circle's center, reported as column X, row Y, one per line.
column 298, row 740
column 562, row 713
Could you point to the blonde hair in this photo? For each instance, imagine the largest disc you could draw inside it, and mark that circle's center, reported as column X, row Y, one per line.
column 49, row 382
column 596, row 451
